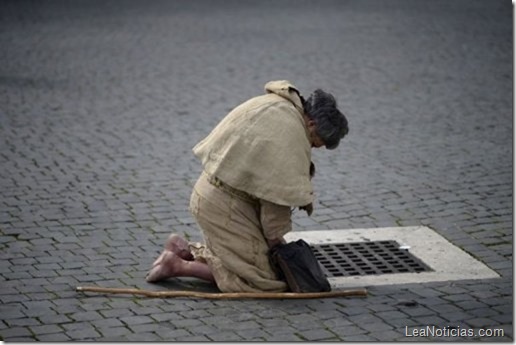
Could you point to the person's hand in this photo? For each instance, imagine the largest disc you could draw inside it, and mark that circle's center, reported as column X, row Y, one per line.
column 308, row 208
column 275, row 241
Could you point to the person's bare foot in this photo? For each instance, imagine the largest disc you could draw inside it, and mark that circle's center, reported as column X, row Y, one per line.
column 170, row 265
column 177, row 245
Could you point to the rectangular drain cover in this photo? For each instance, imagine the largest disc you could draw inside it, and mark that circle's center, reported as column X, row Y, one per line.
column 366, row 258
column 441, row 259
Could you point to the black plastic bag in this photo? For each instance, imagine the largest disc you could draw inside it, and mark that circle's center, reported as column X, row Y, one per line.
column 297, row 265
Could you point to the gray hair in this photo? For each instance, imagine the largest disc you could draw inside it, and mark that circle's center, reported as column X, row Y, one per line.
column 331, row 125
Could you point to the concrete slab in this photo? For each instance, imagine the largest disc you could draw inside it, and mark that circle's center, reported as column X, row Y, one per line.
column 447, row 261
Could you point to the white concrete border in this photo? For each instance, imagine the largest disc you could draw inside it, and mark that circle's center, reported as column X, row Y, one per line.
column 448, row 261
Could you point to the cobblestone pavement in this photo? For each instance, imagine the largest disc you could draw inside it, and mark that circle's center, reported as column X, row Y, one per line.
column 102, row 101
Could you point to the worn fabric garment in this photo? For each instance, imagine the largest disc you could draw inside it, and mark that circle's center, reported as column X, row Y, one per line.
column 263, row 147
column 234, row 231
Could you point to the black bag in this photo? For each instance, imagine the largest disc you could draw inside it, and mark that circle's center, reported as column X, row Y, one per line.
column 296, row 264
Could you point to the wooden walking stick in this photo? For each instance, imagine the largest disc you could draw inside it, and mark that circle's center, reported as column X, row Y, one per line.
column 224, row 295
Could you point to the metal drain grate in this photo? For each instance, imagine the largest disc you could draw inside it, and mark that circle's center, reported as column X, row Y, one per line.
column 366, row 258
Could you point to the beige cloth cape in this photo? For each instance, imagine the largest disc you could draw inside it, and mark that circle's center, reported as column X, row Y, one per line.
column 263, row 147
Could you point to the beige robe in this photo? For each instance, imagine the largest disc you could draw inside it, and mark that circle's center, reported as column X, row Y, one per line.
column 261, row 148
column 235, row 247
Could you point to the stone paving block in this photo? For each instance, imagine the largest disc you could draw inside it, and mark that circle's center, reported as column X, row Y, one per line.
column 46, row 329
column 22, row 322
column 203, row 330
column 484, row 312
column 351, row 330
column 166, row 317
column 275, row 325
column 445, row 309
column 56, row 337
column 402, row 323
column 136, row 320
column 252, row 334
column 237, row 326
column 381, row 307
column 375, row 327
column 391, row 315
column 117, row 312
column 470, row 305
column 505, row 318
column 146, row 337
column 12, row 311
column 459, row 297
column 197, row 338
column 105, row 323
column 17, row 276
column 316, row 335
column 21, row 339
column 217, row 320
column 194, row 314
column 336, row 322
column 186, row 323
column 456, row 316
column 146, row 328
column 54, row 319
column 270, row 313
column 16, row 332
column 365, row 318
column 417, row 311
column 387, row 335
column 87, row 185
column 359, row 338
column 431, row 321
column 112, row 332
column 224, row 336
column 301, row 319
column 284, row 337
column 87, row 333
column 245, row 316
column 85, row 316
column 327, row 314
column 481, row 322
column 349, row 311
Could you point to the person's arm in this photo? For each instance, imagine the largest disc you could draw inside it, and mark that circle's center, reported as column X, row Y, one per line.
column 276, row 222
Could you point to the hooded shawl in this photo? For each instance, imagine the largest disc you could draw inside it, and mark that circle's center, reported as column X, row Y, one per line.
column 262, row 147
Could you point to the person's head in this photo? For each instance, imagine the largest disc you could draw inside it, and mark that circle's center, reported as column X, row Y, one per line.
column 327, row 125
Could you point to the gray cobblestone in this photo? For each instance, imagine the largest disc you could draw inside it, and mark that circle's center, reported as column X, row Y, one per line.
column 146, row 328
column 147, row 337
column 456, row 316
column 225, row 336
column 418, row 311
column 19, row 322
column 359, row 338
column 85, row 334
column 101, row 105
column 203, row 330
column 317, row 335
column 402, row 323
column 480, row 322
column 57, row 337
column 112, row 332
column 284, row 337
column 136, row 320
column 250, row 334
